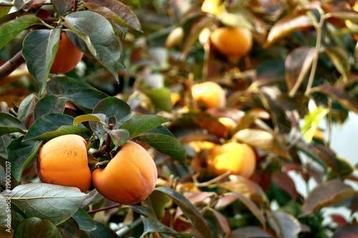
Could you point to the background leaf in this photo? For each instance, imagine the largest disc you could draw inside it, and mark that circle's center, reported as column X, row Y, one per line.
column 35, row 227
column 9, row 124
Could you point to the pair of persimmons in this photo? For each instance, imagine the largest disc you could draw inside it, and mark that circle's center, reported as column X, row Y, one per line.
column 130, row 176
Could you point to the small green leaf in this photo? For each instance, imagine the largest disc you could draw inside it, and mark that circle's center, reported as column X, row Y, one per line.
column 162, row 140
column 39, row 50
column 198, row 221
column 76, row 91
column 52, row 125
column 312, row 121
column 108, row 50
column 139, row 124
column 21, row 155
column 26, row 107
column 49, row 104
column 9, row 124
column 9, row 30
column 160, row 98
column 35, row 227
column 119, row 137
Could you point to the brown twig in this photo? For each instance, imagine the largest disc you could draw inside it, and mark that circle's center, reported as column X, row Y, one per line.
column 11, row 65
column 104, row 208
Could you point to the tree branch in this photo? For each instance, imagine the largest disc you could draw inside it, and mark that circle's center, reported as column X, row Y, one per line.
column 11, row 65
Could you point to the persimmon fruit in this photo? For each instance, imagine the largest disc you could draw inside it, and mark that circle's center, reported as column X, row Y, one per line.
column 63, row 160
column 129, row 177
column 233, row 42
column 233, row 157
column 67, row 56
column 209, row 95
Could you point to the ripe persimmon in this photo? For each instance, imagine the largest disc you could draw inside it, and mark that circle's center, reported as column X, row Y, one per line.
column 233, row 42
column 63, row 160
column 233, row 157
column 67, row 56
column 209, row 95
column 129, row 177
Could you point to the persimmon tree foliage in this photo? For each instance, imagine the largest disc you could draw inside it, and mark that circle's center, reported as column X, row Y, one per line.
column 180, row 118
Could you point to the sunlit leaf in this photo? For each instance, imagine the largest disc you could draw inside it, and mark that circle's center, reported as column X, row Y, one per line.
column 11, row 29
column 312, row 122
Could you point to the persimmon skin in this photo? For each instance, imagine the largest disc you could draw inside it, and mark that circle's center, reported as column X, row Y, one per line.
column 67, row 56
column 129, row 178
column 63, row 161
column 209, row 94
column 233, row 42
column 233, row 157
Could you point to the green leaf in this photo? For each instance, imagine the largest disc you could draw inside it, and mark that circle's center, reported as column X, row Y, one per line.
column 114, row 108
column 84, row 221
column 139, row 124
column 39, row 50
column 76, row 91
column 9, row 30
column 101, row 231
column 49, row 104
column 102, row 37
column 9, row 124
column 162, row 140
column 52, row 125
column 48, row 201
column 4, row 10
column 62, row 6
column 21, row 155
column 5, row 140
column 198, row 221
column 26, row 107
column 35, row 227
column 160, row 98
column 312, row 121
column 116, row 11
column 119, row 137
